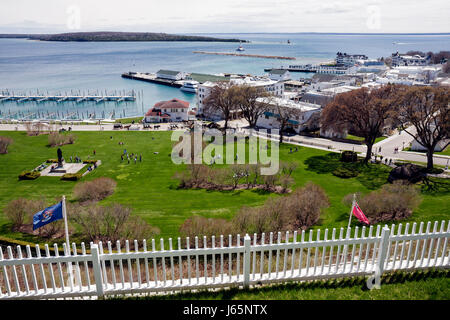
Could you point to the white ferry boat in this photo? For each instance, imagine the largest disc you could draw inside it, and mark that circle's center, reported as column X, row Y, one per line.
column 241, row 48
column 190, row 86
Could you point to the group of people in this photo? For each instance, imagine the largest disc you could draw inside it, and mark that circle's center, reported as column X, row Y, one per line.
column 295, row 150
column 77, row 159
column 129, row 157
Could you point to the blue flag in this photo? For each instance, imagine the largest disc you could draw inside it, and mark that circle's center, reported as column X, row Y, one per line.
column 47, row 215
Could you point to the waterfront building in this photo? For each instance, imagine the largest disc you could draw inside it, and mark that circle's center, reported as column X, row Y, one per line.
column 348, row 60
column 411, row 75
column 279, row 75
column 168, row 111
column 299, row 113
column 408, row 60
column 275, row 88
column 171, row 75
column 326, row 69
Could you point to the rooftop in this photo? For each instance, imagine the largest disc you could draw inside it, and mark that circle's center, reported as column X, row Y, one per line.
column 302, row 106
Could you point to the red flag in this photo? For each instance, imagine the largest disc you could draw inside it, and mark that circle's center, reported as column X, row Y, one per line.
column 357, row 212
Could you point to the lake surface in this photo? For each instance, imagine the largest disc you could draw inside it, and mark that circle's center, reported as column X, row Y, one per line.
column 62, row 67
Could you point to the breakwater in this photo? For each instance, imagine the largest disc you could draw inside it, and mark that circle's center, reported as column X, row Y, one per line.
column 245, row 55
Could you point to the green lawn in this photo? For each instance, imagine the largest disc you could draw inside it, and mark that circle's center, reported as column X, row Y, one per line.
column 149, row 189
column 352, row 137
column 445, row 152
column 421, row 285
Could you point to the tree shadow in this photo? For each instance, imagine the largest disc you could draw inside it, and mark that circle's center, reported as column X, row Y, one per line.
column 435, row 186
column 323, row 164
column 372, row 176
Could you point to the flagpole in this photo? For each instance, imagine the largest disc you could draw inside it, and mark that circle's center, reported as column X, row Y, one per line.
column 351, row 211
column 67, row 238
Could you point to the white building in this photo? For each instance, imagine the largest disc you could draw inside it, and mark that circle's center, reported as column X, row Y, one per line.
column 407, row 60
column 411, row 75
column 300, row 113
column 325, row 69
column 171, row 75
column 168, row 111
column 272, row 87
column 279, row 75
column 348, row 60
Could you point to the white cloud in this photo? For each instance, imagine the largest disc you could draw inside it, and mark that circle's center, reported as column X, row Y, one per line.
column 230, row 15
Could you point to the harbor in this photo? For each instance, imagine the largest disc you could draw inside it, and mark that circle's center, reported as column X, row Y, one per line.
column 98, row 97
column 246, row 55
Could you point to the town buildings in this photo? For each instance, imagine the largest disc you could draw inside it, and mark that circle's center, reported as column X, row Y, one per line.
column 408, row 60
column 297, row 113
column 168, row 111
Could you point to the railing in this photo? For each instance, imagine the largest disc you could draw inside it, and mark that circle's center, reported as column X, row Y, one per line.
column 222, row 262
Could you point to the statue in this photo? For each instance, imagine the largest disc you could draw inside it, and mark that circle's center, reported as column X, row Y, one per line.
column 60, row 159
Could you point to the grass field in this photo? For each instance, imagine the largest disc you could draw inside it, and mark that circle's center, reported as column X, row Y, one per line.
column 149, row 188
column 352, row 137
column 421, row 285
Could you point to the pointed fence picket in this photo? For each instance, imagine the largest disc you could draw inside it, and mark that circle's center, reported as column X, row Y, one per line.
column 210, row 265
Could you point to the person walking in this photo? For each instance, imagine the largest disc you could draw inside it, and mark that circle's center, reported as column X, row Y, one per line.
column 140, row 158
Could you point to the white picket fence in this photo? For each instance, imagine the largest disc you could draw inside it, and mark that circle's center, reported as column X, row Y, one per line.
column 268, row 258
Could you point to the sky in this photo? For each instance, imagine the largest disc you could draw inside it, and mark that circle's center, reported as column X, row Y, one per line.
column 225, row 16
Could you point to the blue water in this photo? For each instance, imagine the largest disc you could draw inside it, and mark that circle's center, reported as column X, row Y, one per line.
column 58, row 67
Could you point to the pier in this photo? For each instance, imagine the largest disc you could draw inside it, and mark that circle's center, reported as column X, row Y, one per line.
column 150, row 77
column 297, row 68
column 245, row 55
column 96, row 97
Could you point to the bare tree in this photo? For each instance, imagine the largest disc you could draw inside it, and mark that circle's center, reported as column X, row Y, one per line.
column 223, row 100
column 284, row 115
column 249, row 105
column 364, row 112
column 427, row 110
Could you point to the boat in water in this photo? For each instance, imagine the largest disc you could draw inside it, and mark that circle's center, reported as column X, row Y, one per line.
column 190, row 86
column 241, row 48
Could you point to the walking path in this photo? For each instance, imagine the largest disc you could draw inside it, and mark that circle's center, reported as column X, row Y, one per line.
column 387, row 145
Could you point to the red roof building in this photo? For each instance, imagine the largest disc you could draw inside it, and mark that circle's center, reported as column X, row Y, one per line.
column 168, row 111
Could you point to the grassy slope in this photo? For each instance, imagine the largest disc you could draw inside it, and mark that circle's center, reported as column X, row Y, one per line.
column 428, row 285
column 149, row 189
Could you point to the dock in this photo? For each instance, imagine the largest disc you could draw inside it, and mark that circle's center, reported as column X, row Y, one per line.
column 150, row 77
column 19, row 98
column 297, row 68
column 245, row 55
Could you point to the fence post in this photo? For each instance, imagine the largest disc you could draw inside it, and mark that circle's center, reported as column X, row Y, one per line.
column 374, row 281
column 97, row 270
column 247, row 243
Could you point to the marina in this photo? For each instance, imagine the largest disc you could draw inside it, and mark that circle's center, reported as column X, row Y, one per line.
column 63, row 98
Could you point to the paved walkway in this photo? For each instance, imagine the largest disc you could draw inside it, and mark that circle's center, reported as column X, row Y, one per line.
column 387, row 145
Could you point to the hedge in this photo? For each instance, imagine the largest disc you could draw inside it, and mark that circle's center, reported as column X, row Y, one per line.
column 29, row 175
column 71, row 176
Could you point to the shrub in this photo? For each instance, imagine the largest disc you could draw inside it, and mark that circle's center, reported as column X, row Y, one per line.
column 201, row 226
column 4, row 143
column 110, row 223
column 345, row 173
column 29, row 175
column 90, row 161
column 20, row 211
column 286, row 181
column 392, row 202
column 58, row 139
column 94, row 190
column 71, row 176
column 301, row 209
column 305, row 205
column 349, row 156
column 52, row 161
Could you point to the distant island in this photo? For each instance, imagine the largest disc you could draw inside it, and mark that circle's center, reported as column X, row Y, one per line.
column 115, row 36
